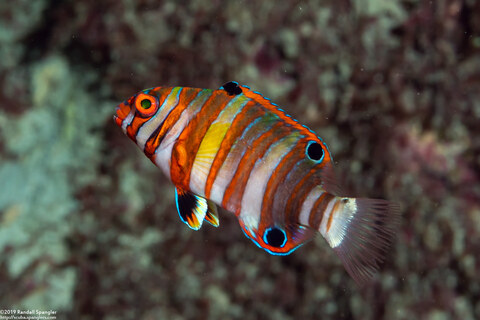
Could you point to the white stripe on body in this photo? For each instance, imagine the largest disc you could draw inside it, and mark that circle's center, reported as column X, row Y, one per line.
column 128, row 120
column 163, row 153
column 146, row 130
column 229, row 166
column 307, row 205
column 259, row 176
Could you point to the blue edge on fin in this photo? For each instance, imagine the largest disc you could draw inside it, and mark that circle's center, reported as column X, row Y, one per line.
column 178, row 211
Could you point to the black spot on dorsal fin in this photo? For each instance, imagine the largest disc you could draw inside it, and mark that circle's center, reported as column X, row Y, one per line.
column 232, row 88
column 315, row 151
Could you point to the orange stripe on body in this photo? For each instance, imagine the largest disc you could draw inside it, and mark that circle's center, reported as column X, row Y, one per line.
column 239, row 124
column 186, row 147
column 134, row 126
column 284, row 190
column 302, row 189
column 330, row 219
column 277, row 177
column 186, row 96
column 318, row 210
column 234, row 192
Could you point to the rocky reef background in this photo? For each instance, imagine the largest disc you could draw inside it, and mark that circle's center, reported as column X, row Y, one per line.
column 88, row 225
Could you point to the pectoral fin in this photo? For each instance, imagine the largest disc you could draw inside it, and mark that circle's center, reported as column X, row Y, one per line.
column 193, row 209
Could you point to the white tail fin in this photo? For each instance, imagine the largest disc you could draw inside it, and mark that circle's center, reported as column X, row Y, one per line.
column 360, row 231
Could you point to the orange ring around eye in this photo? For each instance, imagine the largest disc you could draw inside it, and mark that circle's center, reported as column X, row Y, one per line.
column 146, row 105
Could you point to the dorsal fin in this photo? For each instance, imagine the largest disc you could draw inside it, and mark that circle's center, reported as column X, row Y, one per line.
column 273, row 107
column 329, row 180
column 193, row 209
column 258, row 97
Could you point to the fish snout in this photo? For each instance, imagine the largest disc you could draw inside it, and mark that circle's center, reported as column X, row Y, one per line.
column 121, row 112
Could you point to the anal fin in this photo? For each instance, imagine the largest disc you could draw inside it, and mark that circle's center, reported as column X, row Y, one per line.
column 212, row 214
column 193, row 209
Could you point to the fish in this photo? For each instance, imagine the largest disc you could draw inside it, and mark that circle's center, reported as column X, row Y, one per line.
column 234, row 148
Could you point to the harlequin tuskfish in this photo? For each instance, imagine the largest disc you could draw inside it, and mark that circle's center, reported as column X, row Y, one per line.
column 234, row 148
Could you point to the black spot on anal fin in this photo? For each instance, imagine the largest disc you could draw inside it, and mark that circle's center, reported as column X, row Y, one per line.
column 275, row 237
column 232, row 88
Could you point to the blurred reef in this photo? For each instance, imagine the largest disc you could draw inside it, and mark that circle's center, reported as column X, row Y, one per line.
column 88, row 225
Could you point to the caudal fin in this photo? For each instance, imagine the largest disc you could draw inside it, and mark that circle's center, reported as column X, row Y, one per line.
column 361, row 231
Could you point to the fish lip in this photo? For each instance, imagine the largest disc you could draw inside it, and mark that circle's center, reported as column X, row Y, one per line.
column 117, row 116
column 116, row 119
column 121, row 112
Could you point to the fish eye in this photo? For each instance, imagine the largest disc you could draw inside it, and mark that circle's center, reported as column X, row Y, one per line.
column 275, row 237
column 145, row 103
column 315, row 151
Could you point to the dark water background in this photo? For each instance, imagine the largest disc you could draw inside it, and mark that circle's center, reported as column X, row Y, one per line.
column 88, row 225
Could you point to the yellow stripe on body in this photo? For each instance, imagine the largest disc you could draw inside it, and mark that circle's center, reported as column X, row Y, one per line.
column 211, row 143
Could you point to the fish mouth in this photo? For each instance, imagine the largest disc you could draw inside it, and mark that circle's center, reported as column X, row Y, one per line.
column 121, row 112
